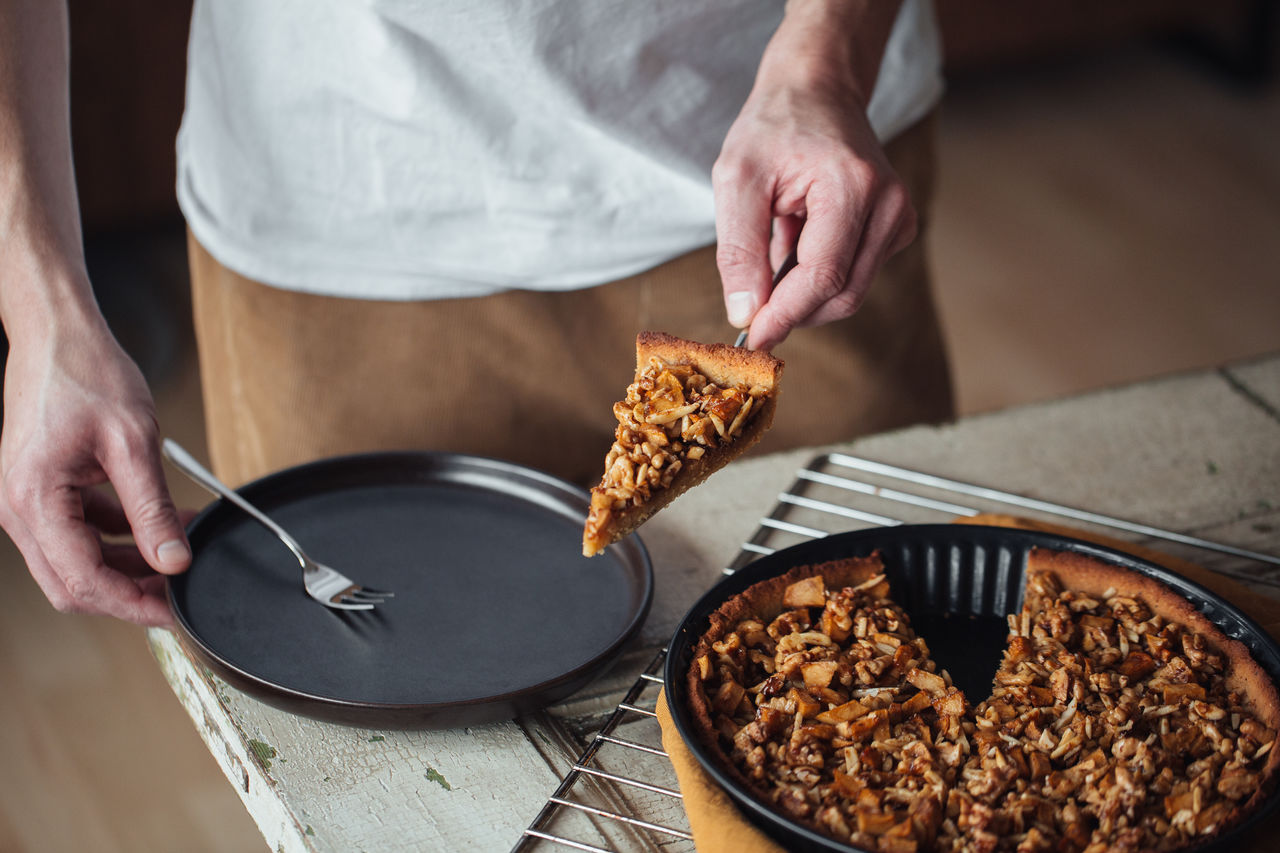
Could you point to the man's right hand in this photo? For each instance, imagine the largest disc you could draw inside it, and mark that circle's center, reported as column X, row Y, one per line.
column 78, row 415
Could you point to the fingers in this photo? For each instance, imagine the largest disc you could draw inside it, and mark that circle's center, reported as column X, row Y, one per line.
column 105, row 514
column 878, row 244
column 91, row 587
column 824, row 252
column 133, row 466
column 52, row 509
column 82, row 418
column 840, row 251
column 108, row 592
column 743, row 225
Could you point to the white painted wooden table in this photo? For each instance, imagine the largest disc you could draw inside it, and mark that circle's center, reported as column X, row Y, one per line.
column 1197, row 453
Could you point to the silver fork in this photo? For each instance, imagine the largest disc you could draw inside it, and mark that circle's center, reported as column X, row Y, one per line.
column 327, row 586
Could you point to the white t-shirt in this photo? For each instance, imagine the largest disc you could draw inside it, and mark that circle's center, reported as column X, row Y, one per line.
column 411, row 149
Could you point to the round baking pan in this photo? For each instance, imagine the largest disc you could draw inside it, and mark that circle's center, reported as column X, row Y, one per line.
column 957, row 582
column 496, row 612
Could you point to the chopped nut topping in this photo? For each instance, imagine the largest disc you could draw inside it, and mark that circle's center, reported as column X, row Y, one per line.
column 672, row 415
column 1107, row 728
column 858, row 736
column 1116, row 741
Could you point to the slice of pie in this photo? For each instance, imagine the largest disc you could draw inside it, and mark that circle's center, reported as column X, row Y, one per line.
column 1120, row 718
column 692, row 409
column 824, row 702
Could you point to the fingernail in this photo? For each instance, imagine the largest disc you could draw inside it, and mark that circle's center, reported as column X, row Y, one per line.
column 174, row 553
column 741, row 307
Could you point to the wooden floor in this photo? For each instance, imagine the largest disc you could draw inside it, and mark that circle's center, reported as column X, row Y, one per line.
column 1097, row 223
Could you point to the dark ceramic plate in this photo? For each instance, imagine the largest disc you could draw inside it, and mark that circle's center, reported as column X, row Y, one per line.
column 496, row 611
column 957, row 582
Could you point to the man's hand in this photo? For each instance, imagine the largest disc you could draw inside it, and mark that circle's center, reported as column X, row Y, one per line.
column 77, row 415
column 801, row 166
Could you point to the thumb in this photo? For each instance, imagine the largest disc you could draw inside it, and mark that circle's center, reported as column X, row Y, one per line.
column 138, row 478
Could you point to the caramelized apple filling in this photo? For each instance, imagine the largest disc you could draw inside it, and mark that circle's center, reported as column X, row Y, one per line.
column 672, row 415
column 1108, row 726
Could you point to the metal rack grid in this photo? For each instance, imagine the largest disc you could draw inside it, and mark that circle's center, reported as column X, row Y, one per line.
column 601, row 807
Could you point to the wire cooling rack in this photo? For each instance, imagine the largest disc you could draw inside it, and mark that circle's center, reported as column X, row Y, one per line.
column 621, row 794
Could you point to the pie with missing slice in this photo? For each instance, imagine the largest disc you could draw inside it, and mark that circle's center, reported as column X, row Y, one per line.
column 1120, row 717
column 692, row 409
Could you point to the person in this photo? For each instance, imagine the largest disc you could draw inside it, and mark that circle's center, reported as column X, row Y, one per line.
column 441, row 226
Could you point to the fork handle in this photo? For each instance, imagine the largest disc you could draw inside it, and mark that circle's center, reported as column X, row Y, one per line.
column 187, row 463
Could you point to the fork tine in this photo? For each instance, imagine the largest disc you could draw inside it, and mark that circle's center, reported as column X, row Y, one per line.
column 361, row 595
column 341, row 605
column 349, row 599
column 382, row 593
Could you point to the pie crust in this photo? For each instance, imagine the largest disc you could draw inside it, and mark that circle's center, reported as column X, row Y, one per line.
column 692, row 409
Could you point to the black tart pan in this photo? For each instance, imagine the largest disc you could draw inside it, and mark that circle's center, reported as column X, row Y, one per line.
column 957, row 582
column 496, row 612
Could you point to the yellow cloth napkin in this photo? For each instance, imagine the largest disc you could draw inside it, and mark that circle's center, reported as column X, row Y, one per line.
column 716, row 823
column 718, row 826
